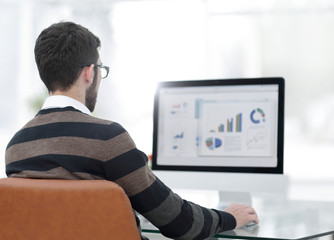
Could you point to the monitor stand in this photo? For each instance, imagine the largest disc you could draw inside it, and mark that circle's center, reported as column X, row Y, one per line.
column 227, row 198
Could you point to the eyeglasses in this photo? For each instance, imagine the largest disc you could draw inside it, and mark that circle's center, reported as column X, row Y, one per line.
column 104, row 69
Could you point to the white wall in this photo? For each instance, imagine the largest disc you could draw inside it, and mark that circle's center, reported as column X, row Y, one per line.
column 145, row 42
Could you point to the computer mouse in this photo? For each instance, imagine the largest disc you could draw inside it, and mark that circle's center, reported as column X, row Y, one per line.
column 251, row 223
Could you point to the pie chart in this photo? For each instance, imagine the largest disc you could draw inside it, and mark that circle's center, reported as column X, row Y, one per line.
column 213, row 143
column 257, row 115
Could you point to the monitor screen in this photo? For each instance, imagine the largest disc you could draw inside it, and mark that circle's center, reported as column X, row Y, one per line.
column 226, row 125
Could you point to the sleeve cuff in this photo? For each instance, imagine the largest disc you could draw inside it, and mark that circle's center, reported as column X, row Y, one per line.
column 227, row 221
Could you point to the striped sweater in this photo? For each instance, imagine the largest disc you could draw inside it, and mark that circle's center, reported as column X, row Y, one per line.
column 64, row 143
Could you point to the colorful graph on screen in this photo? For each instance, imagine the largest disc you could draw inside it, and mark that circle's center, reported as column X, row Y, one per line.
column 213, row 143
column 230, row 124
column 257, row 116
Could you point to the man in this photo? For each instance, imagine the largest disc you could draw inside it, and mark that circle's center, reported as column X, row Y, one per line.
column 64, row 141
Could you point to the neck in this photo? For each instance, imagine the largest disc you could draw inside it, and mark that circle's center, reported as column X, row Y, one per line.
column 70, row 93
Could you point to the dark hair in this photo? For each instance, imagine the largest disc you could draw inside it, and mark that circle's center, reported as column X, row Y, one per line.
column 60, row 52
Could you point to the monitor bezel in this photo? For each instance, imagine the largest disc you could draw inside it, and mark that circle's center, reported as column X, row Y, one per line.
column 224, row 82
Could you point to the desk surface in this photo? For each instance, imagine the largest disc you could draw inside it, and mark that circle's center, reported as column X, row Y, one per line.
column 283, row 220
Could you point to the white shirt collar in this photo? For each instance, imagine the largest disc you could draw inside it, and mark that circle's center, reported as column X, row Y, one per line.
column 61, row 101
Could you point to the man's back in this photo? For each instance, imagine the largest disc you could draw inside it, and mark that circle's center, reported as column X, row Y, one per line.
column 65, row 143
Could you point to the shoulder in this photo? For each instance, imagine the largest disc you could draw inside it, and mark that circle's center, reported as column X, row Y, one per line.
column 69, row 122
column 68, row 115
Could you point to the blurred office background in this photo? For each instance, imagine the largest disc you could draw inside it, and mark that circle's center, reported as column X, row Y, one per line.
column 146, row 41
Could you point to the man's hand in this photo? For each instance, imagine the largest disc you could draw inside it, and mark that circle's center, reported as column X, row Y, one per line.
column 242, row 213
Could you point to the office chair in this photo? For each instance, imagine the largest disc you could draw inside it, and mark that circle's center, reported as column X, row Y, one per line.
column 46, row 209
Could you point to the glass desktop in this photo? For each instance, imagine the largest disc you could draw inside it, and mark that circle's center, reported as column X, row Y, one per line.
column 282, row 220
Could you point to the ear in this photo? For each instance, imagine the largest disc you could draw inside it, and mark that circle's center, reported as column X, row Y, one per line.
column 89, row 74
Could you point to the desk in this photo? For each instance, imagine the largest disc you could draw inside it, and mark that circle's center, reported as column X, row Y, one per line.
column 282, row 220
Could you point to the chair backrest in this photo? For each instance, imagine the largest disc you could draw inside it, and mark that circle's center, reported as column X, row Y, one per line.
column 65, row 209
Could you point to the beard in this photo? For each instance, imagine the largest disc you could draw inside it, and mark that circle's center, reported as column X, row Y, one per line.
column 91, row 95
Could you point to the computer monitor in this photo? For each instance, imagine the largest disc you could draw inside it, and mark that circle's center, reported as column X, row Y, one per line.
column 224, row 135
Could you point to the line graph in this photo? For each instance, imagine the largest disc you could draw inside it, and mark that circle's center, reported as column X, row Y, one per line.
column 257, row 138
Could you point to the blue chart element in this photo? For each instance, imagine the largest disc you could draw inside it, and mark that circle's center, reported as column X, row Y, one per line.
column 218, row 142
column 261, row 113
column 256, row 121
column 178, row 135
